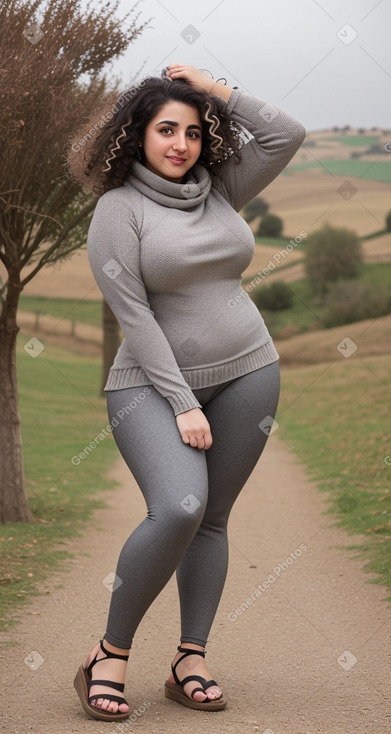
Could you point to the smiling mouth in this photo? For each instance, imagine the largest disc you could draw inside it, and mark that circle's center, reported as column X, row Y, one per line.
column 176, row 160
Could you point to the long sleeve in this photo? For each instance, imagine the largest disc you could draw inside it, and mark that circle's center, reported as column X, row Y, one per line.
column 276, row 138
column 114, row 254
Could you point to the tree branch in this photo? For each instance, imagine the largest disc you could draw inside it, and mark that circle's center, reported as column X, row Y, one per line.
column 46, row 257
column 29, row 211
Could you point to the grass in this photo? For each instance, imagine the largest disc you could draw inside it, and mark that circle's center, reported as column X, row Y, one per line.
column 356, row 140
column 61, row 413
column 337, row 420
column 89, row 312
column 306, row 313
column 373, row 170
column 273, row 241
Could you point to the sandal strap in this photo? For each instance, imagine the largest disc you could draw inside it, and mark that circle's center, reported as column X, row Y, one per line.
column 186, row 652
column 190, row 678
column 193, row 678
column 205, row 683
column 108, row 654
column 189, row 651
column 108, row 683
column 112, row 654
column 201, row 690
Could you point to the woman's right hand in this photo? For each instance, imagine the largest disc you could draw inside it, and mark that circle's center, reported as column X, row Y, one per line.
column 194, row 428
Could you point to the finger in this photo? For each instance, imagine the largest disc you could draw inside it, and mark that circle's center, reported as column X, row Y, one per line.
column 201, row 442
column 208, row 441
column 178, row 73
column 175, row 68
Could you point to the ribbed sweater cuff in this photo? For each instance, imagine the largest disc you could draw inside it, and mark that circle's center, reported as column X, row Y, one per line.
column 182, row 402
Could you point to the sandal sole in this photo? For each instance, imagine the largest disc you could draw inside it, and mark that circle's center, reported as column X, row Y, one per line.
column 176, row 693
column 80, row 683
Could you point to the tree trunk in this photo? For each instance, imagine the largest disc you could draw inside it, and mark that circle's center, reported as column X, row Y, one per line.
column 111, row 341
column 13, row 498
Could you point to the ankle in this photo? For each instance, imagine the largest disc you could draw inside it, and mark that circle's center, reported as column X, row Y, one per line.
column 117, row 650
column 191, row 646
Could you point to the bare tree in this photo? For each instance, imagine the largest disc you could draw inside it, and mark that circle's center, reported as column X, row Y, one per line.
column 51, row 58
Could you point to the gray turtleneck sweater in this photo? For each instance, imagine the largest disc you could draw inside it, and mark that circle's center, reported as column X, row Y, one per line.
column 168, row 259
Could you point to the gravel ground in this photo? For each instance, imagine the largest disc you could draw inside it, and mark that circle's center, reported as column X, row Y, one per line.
column 300, row 643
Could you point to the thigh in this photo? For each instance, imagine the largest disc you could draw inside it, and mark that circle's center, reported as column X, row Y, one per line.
column 239, row 417
column 145, row 430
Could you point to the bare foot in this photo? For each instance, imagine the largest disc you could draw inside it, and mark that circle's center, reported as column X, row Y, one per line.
column 194, row 665
column 107, row 669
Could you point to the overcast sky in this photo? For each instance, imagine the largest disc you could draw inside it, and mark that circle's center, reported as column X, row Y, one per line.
column 326, row 62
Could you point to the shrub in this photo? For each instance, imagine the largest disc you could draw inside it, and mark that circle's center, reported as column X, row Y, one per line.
column 347, row 302
column 388, row 222
column 270, row 226
column 274, row 297
column 255, row 208
column 332, row 254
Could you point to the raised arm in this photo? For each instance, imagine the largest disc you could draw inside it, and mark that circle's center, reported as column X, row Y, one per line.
column 276, row 138
column 114, row 256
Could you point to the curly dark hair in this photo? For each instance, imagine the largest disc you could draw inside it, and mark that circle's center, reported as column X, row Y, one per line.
column 103, row 150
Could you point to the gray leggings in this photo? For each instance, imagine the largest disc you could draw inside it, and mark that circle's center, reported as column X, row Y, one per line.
column 189, row 493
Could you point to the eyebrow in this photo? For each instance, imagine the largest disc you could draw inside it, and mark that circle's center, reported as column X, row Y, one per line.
column 175, row 124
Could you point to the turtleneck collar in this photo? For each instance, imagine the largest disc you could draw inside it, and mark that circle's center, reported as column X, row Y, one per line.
column 184, row 195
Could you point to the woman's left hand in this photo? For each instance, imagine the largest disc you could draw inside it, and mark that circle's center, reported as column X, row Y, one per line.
column 193, row 76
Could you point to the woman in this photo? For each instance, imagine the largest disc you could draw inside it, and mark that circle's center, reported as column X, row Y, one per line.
column 196, row 378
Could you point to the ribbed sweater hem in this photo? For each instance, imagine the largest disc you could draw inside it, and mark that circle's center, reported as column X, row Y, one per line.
column 199, row 377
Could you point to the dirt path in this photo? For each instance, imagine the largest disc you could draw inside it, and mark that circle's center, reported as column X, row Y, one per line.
column 282, row 661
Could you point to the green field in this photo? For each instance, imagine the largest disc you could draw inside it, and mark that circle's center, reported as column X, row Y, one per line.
column 306, row 313
column 89, row 312
column 373, row 170
column 356, row 140
column 337, row 420
column 61, row 414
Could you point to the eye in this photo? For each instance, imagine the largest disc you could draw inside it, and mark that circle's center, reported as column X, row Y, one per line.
column 166, row 129
column 194, row 134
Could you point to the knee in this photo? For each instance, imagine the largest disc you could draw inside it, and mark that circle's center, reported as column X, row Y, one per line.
column 191, row 509
column 184, row 513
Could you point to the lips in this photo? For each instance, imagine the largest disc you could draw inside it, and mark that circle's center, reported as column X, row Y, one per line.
column 176, row 160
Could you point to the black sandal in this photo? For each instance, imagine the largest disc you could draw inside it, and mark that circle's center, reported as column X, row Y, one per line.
column 83, row 683
column 175, row 691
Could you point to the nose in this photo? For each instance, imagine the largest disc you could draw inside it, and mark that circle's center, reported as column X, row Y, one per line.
column 180, row 143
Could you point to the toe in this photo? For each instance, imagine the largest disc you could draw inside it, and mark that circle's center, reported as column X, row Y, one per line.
column 199, row 696
column 213, row 693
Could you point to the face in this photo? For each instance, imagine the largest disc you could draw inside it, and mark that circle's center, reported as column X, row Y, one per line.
column 172, row 141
